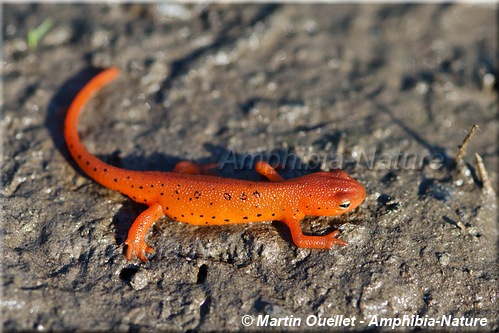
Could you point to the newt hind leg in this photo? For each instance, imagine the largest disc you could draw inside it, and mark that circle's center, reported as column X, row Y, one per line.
column 195, row 168
column 312, row 242
column 136, row 245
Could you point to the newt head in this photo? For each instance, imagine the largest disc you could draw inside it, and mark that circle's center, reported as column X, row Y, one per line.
column 330, row 193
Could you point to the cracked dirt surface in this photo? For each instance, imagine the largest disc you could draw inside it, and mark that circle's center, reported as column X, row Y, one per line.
column 387, row 92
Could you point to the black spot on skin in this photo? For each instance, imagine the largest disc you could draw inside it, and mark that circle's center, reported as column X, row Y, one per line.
column 141, row 187
column 243, row 196
column 162, row 184
column 127, row 177
column 176, row 191
column 161, row 193
column 88, row 163
column 152, row 186
column 174, row 217
column 258, row 215
column 227, row 220
column 197, row 194
column 95, row 169
column 190, row 199
column 192, row 214
column 201, row 215
column 79, row 157
column 105, row 170
column 167, row 208
column 115, row 180
column 213, row 217
column 318, row 208
column 145, row 200
column 182, row 215
column 132, row 186
column 245, row 218
column 134, row 198
column 178, row 185
column 273, row 214
column 257, row 194
column 227, row 196
column 211, row 203
column 206, row 222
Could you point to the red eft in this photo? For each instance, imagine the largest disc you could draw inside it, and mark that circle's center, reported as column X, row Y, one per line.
column 188, row 195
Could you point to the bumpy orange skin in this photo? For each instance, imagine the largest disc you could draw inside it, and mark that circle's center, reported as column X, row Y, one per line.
column 188, row 195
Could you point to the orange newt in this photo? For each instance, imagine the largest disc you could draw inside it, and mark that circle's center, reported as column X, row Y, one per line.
column 188, row 195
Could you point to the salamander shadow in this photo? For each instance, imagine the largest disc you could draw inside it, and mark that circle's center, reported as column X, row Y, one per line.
column 59, row 104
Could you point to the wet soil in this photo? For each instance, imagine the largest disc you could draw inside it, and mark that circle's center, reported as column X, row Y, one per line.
column 386, row 92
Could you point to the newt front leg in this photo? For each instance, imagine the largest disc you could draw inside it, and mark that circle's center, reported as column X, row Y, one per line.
column 293, row 222
column 311, row 242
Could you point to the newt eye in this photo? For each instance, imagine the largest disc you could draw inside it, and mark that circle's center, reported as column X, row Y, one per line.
column 345, row 205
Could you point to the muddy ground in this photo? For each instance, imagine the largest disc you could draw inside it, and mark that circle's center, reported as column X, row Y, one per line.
column 387, row 92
